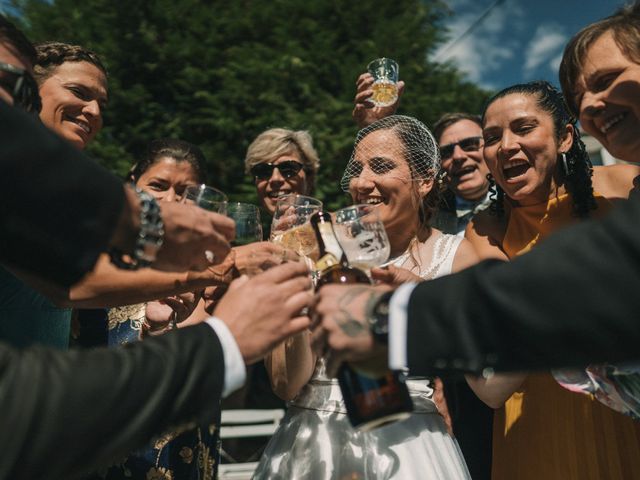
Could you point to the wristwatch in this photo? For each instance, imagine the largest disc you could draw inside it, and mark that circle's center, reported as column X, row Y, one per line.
column 378, row 318
column 149, row 240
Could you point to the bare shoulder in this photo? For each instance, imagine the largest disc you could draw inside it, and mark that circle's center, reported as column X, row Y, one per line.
column 615, row 181
column 485, row 233
column 465, row 256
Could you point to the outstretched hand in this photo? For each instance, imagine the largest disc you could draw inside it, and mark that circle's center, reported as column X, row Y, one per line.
column 341, row 326
column 264, row 310
column 365, row 112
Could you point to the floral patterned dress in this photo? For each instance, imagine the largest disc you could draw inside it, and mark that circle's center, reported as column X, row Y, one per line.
column 185, row 455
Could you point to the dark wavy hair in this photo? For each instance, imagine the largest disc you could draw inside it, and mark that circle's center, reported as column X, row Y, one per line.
column 53, row 54
column 13, row 36
column 577, row 174
column 179, row 150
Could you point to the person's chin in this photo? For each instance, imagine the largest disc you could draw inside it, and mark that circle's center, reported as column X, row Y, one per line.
column 76, row 140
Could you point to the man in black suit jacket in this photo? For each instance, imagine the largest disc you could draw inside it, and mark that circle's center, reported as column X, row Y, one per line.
column 64, row 413
column 572, row 301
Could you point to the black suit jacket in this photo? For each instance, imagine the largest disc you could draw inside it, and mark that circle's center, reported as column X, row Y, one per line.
column 574, row 300
column 58, row 209
column 64, row 413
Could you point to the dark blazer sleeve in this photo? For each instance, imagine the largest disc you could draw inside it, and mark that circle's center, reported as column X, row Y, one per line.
column 64, row 413
column 574, row 300
column 59, row 209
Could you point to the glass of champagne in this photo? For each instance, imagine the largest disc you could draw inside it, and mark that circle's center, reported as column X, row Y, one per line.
column 385, row 79
column 206, row 197
column 291, row 228
column 248, row 226
column 362, row 236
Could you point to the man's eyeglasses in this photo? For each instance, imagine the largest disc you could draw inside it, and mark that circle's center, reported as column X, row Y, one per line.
column 469, row 144
column 19, row 83
column 288, row 169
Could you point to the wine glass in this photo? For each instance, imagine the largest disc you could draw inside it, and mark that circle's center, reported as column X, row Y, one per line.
column 206, row 197
column 248, row 226
column 290, row 227
column 362, row 236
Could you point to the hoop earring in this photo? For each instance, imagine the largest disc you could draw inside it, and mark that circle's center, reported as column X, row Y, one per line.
column 568, row 170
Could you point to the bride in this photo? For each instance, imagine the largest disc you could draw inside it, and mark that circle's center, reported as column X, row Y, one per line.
column 394, row 165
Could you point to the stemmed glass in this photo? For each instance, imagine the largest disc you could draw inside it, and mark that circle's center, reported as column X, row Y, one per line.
column 206, row 197
column 362, row 236
column 248, row 226
column 290, row 227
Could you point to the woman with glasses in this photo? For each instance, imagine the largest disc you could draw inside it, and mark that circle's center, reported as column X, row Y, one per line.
column 282, row 161
column 544, row 182
column 394, row 167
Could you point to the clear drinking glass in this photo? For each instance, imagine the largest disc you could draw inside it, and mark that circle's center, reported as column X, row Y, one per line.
column 290, row 227
column 248, row 226
column 385, row 79
column 206, row 197
column 362, row 236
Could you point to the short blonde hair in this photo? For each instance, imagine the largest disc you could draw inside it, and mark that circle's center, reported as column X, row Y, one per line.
column 275, row 142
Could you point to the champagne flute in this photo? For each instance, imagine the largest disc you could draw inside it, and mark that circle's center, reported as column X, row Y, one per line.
column 362, row 236
column 248, row 226
column 206, row 197
column 290, row 227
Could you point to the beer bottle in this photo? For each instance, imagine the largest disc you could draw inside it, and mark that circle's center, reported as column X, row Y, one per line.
column 373, row 394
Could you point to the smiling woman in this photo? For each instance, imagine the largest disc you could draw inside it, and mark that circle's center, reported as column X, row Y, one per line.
column 544, row 182
column 73, row 87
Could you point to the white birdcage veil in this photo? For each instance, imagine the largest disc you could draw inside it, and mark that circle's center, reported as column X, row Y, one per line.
column 420, row 149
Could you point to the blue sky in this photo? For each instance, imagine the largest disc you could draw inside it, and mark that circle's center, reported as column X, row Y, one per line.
column 519, row 40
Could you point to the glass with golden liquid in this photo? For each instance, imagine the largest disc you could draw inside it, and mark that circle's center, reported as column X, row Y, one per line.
column 290, row 227
column 385, row 73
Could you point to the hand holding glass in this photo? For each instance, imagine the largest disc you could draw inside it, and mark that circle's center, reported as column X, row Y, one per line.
column 385, row 81
column 290, row 227
column 362, row 236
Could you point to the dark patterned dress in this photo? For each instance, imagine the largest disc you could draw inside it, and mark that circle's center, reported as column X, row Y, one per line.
column 187, row 455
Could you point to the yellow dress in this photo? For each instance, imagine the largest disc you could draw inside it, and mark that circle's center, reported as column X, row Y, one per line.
column 545, row 431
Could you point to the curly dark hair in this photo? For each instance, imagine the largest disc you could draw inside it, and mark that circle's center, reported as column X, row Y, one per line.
column 179, row 150
column 53, row 54
column 575, row 168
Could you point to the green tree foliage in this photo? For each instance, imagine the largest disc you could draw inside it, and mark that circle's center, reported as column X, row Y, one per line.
column 218, row 73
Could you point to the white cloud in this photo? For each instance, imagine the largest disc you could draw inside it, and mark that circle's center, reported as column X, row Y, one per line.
column 543, row 47
column 483, row 50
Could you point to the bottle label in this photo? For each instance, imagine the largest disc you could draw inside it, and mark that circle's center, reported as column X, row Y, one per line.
column 327, row 261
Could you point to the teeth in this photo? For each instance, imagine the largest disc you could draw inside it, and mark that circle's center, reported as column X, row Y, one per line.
column 85, row 126
column 279, row 193
column 371, row 201
column 515, row 163
column 611, row 122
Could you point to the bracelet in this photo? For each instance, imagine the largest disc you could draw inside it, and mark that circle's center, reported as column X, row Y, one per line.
column 148, row 330
column 149, row 239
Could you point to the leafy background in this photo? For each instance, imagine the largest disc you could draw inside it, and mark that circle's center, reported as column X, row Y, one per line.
column 217, row 73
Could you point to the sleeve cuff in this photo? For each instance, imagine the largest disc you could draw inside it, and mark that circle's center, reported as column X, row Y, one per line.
column 234, row 369
column 398, row 326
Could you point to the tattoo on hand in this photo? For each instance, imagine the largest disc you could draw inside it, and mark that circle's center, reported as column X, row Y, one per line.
column 350, row 325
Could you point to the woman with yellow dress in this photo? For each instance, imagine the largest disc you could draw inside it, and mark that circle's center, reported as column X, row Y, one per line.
column 544, row 182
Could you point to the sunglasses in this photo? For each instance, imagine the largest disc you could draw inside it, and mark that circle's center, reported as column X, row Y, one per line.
column 22, row 87
column 288, row 169
column 470, row 144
